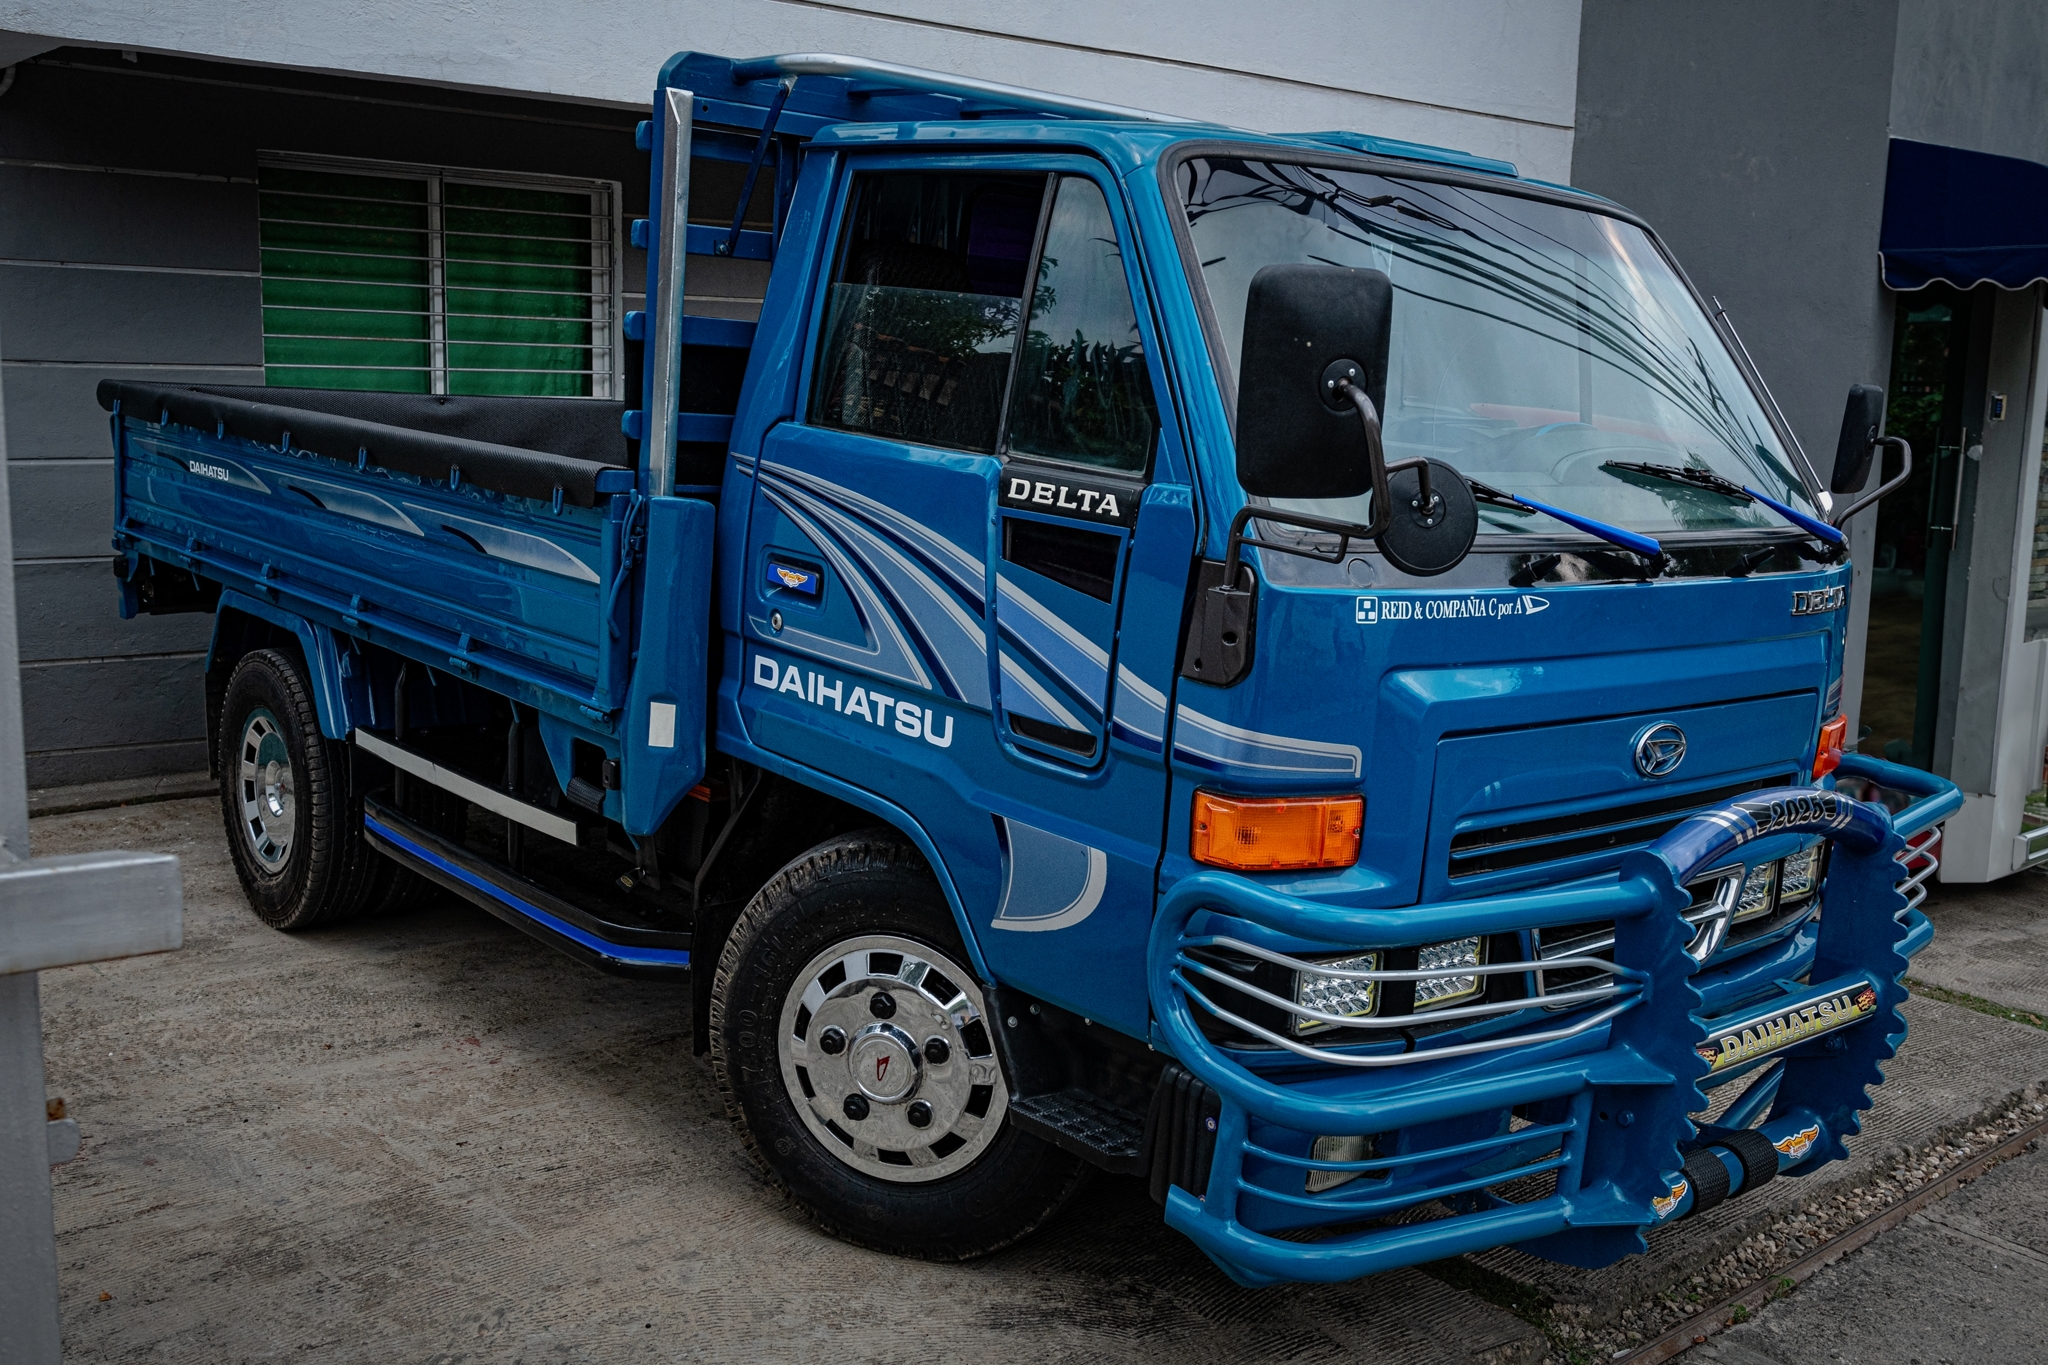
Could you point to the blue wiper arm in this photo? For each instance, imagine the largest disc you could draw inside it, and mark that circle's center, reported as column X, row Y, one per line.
column 1613, row 535
column 1728, row 488
column 1813, row 526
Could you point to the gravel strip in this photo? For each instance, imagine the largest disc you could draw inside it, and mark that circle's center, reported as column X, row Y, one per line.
column 1575, row 1339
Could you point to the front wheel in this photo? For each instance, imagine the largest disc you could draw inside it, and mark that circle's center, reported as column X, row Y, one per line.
column 854, row 1050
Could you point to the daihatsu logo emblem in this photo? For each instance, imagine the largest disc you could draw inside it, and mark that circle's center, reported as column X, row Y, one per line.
column 1659, row 750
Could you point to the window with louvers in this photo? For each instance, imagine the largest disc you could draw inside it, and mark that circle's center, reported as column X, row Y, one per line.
column 420, row 280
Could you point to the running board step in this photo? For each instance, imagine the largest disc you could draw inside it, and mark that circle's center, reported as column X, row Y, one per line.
column 625, row 950
column 1090, row 1127
column 492, row 799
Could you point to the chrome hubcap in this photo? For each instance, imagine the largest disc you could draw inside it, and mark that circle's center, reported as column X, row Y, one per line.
column 887, row 1056
column 266, row 789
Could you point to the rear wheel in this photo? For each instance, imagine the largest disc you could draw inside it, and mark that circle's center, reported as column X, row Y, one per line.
column 852, row 1044
column 293, row 830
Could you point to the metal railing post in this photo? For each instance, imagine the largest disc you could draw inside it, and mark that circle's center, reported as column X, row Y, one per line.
column 53, row 912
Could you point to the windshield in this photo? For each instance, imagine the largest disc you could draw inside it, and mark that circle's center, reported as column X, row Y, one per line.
column 1533, row 343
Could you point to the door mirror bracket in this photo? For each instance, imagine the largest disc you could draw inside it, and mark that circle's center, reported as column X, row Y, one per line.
column 1862, row 437
column 1422, row 524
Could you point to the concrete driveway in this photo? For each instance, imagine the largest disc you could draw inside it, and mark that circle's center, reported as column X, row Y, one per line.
column 433, row 1139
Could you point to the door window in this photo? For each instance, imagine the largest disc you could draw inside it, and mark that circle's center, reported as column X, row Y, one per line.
column 922, row 318
column 1083, row 394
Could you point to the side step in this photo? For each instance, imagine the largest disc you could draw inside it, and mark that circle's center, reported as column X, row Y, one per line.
column 1091, row 1128
column 625, row 950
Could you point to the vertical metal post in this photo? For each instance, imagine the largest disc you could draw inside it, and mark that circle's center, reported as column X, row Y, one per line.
column 604, row 293
column 437, row 291
column 28, row 1222
column 673, row 227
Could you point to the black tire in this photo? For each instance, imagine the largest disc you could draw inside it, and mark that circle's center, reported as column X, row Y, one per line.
column 847, row 890
column 301, row 857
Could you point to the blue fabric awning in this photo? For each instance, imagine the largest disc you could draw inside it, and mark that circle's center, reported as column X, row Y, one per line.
column 1963, row 217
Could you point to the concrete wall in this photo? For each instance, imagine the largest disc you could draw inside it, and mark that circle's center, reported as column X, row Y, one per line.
column 128, row 249
column 1971, row 75
column 1489, row 76
column 1753, row 134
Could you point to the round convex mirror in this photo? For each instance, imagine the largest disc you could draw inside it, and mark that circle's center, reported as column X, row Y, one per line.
column 1429, row 539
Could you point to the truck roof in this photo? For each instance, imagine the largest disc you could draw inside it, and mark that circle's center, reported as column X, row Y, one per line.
column 828, row 98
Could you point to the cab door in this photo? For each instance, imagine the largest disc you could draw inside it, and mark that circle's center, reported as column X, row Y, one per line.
column 966, row 558
column 1077, row 445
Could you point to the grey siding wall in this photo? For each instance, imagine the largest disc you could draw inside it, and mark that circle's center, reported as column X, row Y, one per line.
column 1969, row 75
column 128, row 248
column 1753, row 134
column 1491, row 76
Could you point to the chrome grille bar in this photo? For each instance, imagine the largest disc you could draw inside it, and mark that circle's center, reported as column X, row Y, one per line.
column 1921, row 850
column 1632, row 997
column 1402, row 1021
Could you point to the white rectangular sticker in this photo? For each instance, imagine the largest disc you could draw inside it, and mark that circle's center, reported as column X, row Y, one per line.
column 661, row 725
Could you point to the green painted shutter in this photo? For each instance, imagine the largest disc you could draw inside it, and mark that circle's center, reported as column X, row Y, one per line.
column 430, row 282
column 345, row 280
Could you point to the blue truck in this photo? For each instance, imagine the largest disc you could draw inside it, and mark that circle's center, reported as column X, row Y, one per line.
column 1302, row 668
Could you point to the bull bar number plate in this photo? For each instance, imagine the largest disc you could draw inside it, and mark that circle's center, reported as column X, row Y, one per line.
column 1734, row 1042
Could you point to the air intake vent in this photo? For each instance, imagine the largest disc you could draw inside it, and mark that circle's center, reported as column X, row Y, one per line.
column 1526, row 843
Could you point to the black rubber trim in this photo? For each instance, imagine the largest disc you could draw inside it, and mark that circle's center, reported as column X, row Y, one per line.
column 1709, row 1180
column 1180, row 1133
column 428, row 455
column 1758, row 1157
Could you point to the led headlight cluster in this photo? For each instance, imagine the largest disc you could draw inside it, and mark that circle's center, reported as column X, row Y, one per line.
column 1790, row 880
column 1801, row 876
column 1431, row 992
column 1336, row 994
column 1756, row 892
column 1360, row 999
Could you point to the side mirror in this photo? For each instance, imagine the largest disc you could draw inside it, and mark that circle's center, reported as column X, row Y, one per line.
column 1296, row 438
column 1862, row 426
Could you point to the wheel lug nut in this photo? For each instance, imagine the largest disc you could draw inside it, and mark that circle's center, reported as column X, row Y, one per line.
column 856, row 1107
column 832, row 1042
column 919, row 1114
column 882, row 1005
column 936, row 1051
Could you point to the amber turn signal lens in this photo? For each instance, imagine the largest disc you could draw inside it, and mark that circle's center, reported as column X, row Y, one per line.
column 1274, row 834
column 1827, row 756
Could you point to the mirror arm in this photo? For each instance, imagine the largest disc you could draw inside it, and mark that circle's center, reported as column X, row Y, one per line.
column 1906, row 459
column 1376, row 457
column 1345, row 531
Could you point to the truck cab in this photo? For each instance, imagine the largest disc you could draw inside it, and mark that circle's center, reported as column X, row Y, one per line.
column 1305, row 668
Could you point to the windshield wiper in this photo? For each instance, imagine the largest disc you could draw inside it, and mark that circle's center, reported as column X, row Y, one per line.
column 1613, row 535
column 1728, row 488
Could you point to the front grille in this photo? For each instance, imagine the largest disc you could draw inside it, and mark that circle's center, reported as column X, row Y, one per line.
column 1525, row 843
column 1595, row 938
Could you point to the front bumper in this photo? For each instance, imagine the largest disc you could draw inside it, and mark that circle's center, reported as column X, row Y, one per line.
column 1562, row 1124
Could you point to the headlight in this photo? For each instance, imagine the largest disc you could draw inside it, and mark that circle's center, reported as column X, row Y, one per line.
column 1432, row 992
column 1802, row 875
column 1336, row 994
column 1756, row 892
